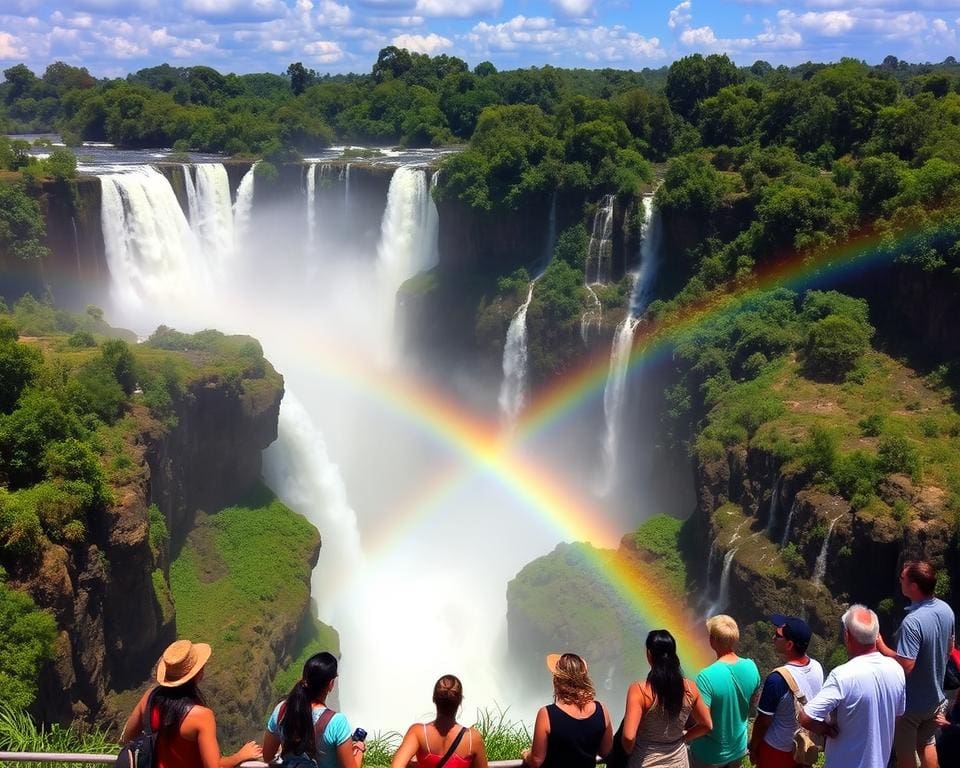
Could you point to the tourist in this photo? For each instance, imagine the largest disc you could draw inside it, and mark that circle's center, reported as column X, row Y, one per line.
column 186, row 728
column 729, row 687
column 924, row 642
column 860, row 700
column 655, row 733
column 443, row 742
column 572, row 731
column 307, row 733
column 948, row 739
column 771, row 743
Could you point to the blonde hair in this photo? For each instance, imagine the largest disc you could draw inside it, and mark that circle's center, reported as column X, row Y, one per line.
column 724, row 632
column 571, row 683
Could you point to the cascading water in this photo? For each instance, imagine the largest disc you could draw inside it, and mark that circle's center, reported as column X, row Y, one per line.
column 820, row 567
column 193, row 207
column 774, row 506
column 215, row 227
column 408, row 236
column 723, row 593
column 615, row 390
column 599, row 263
column 513, row 388
column 243, row 206
column 311, row 207
column 786, row 530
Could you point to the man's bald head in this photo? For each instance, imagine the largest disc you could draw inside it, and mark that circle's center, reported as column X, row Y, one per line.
column 861, row 625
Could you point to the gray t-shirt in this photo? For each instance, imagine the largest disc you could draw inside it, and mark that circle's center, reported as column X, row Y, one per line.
column 925, row 636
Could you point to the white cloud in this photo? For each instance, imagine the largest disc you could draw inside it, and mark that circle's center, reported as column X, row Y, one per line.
column 544, row 37
column 457, row 8
column 574, row 8
column 324, row 51
column 78, row 20
column 828, row 23
column 431, row 44
column 10, row 47
column 332, row 14
column 396, row 21
column 680, row 16
column 700, row 37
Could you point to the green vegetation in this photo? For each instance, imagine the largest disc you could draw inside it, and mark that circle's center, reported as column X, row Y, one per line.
column 314, row 636
column 26, row 643
column 19, row 733
column 660, row 537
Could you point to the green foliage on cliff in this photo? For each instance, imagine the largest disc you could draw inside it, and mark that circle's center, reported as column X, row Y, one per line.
column 243, row 575
column 22, row 227
column 660, row 537
column 25, row 644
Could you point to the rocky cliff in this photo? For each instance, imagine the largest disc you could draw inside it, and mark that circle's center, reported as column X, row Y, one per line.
column 110, row 594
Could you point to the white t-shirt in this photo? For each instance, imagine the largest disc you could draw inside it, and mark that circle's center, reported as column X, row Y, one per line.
column 776, row 700
column 863, row 697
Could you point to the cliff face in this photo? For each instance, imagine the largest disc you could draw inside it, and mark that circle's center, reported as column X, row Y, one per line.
column 110, row 595
column 779, row 528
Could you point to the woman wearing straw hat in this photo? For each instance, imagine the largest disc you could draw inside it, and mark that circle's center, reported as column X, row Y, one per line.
column 185, row 727
column 572, row 731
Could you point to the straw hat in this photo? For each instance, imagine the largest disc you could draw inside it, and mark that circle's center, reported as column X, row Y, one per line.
column 182, row 661
column 554, row 658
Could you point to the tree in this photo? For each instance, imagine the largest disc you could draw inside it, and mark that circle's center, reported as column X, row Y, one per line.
column 834, row 345
column 25, row 644
column 119, row 360
column 392, row 63
column 22, row 227
column 21, row 81
column 19, row 366
column 299, row 78
column 484, row 69
column 694, row 78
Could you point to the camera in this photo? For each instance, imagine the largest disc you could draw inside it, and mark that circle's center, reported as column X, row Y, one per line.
column 359, row 734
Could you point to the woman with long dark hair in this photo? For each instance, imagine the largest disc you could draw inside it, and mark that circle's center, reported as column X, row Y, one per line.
column 441, row 738
column 306, row 732
column 185, row 727
column 658, row 709
column 572, row 731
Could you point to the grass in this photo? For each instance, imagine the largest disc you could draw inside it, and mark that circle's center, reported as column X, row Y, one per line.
column 19, row 733
column 314, row 636
column 241, row 581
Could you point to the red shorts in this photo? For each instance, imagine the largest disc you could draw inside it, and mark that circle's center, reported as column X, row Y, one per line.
column 768, row 757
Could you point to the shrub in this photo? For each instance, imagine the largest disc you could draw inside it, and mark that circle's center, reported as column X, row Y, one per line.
column 793, row 559
column 929, row 427
column 819, row 453
column 119, row 360
column 81, row 339
column 897, row 454
column 871, row 426
column 25, row 644
column 834, row 345
column 856, row 477
column 19, row 366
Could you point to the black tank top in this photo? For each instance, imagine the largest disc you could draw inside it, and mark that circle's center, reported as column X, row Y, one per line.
column 573, row 743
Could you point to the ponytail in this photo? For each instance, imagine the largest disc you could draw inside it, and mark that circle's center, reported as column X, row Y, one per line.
column 296, row 720
column 665, row 677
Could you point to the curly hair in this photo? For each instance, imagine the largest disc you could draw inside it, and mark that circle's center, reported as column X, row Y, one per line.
column 571, row 683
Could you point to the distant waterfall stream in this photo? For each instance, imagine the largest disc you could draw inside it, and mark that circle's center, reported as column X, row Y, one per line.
column 513, row 389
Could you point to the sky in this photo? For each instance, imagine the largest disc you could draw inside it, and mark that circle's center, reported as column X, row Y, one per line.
column 115, row 37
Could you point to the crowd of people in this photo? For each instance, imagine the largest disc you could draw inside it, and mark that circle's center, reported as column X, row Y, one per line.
column 887, row 705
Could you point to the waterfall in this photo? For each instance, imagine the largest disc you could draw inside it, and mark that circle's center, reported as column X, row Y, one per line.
column 300, row 472
column 614, row 393
column 215, row 226
column 345, row 177
column 76, row 244
column 786, row 531
column 243, row 206
column 592, row 315
column 820, row 568
column 650, row 256
column 774, row 506
column 193, row 207
column 151, row 251
column 408, row 232
column 311, row 207
column 513, row 388
column 600, row 250
column 723, row 594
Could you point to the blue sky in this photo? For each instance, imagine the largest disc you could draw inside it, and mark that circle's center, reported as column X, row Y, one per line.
column 113, row 37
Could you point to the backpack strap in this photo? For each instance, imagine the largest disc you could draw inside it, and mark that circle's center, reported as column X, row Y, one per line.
column 148, row 713
column 321, row 727
column 453, row 748
column 792, row 684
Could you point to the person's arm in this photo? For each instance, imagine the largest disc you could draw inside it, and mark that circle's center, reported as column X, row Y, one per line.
column 760, row 725
column 350, row 753
column 607, row 741
column 701, row 716
column 135, row 720
column 774, row 689
column 271, row 745
column 908, row 646
column 537, row 753
column 814, row 715
column 407, row 749
column 479, row 750
column 633, row 714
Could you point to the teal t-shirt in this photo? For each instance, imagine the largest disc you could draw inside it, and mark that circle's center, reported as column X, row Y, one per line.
column 727, row 690
column 337, row 732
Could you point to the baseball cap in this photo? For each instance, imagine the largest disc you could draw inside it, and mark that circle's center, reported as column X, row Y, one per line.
column 793, row 629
